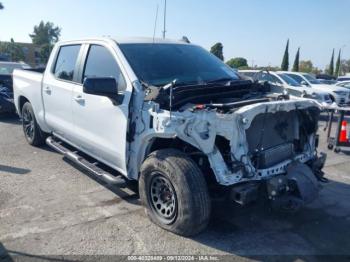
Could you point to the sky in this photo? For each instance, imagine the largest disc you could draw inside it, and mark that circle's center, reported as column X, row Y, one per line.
column 254, row 29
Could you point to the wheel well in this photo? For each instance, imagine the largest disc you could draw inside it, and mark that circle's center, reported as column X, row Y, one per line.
column 21, row 102
column 194, row 153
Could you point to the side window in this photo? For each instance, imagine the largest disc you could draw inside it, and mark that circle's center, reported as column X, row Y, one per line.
column 66, row 61
column 274, row 79
column 264, row 77
column 297, row 78
column 101, row 63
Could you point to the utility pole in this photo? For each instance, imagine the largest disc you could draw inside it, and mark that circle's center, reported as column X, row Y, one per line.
column 164, row 30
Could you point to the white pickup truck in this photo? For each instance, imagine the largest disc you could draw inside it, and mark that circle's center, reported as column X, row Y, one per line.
column 176, row 119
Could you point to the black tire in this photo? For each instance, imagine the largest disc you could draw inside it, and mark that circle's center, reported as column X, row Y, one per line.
column 32, row 132
column 330, row 146
column 190, row 193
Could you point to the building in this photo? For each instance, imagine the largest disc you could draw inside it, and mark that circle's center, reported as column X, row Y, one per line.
column 31, row 53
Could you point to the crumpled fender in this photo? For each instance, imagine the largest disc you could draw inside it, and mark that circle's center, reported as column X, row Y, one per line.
column 305, row 181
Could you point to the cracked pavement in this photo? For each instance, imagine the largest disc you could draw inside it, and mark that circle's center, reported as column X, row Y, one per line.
column 49, row 207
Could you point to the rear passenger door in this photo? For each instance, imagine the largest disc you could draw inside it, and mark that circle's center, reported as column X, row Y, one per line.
column 58, row 86
column 100, row 125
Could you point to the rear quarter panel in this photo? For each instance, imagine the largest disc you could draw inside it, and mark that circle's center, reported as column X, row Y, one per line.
column 28, row 85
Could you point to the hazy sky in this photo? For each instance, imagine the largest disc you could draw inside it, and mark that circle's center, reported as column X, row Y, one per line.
column 254, row 29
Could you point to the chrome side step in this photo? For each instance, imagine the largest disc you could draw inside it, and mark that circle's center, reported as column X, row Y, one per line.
column 83, row 163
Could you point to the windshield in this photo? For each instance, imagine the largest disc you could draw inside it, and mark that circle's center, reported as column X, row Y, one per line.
column 312, row 79
column 7, row 69
column 159, row 64
column 290, row 81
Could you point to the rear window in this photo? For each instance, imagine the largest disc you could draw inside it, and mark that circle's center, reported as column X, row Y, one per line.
column 66, row 62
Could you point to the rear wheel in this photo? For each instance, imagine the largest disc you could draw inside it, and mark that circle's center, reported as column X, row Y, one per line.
column 31, row 129
column 174, row 192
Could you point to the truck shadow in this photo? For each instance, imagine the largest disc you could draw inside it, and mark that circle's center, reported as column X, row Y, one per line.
column 128, row 193
column 11, row 255
column 14, row 170
column 4, row 255
column 256, row 232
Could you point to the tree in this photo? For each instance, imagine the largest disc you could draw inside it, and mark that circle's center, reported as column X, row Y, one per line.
column 296, row 61
column 337, row 65
column 345, row 66
column 13, row 50
column 306, row 66
column 330, row 70
column 217, row 50
column 316, row 71
column 45, row 35
column 237, row 62
column 285, row 60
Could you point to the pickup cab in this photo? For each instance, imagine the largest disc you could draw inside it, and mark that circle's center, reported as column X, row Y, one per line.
column 177, row 120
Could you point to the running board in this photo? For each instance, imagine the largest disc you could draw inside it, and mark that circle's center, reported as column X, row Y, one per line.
column 83, row 163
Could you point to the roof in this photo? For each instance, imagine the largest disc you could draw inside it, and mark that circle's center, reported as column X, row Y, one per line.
column 292, row 73
column 249, row 71
column 147, row 40
column 11, row 63
column 130, row 40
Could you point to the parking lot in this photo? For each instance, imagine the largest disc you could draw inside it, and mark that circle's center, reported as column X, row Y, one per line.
column 48, row 207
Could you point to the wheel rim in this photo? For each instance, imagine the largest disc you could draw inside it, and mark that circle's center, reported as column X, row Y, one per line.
column 163, row 198
column 28, row 124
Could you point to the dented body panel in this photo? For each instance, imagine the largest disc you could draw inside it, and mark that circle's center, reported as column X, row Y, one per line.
column 201, row 128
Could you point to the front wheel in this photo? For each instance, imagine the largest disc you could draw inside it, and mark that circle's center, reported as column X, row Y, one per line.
column 31, row 129
column 174, row 192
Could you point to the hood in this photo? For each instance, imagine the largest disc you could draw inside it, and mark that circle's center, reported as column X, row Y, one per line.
column 330, row 88
column 312, row 90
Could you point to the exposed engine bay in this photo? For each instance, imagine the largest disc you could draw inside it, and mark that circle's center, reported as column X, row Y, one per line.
column 246, row 133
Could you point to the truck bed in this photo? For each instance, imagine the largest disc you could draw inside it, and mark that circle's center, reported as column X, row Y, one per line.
column 27, row 85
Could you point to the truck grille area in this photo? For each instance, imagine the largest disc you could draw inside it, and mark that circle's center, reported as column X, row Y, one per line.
column 275, row 137
column 275, row 155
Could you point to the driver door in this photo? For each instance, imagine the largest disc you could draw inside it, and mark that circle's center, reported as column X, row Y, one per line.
column 100, row 125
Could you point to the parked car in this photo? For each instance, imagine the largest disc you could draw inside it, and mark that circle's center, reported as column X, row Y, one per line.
column 6, row 88
column 328, row 82
column 175, row 118
column 339, row 95
column 343, row 78
column 325, row 77
column 345, row 84
column 281, row 82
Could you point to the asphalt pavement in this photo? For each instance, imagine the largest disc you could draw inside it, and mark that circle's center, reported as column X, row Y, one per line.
column 48, row 207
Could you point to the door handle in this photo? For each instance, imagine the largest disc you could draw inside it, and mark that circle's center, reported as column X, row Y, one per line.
column 79, row 99
column 47, row 90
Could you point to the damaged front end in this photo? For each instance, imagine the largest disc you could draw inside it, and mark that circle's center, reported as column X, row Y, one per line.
column 252, row 143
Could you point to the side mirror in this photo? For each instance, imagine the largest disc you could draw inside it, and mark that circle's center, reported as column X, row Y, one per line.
column 304, row 83
column 102, row 86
